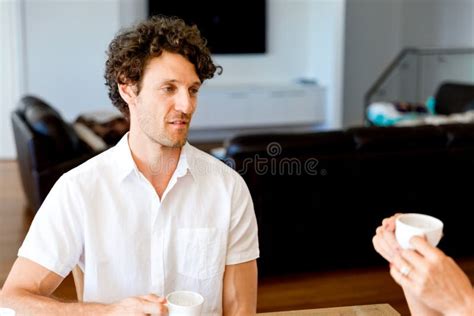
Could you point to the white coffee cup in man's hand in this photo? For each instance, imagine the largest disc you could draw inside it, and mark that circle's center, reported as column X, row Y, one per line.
column 6, row 311
column 184, row 303
column 413, row 224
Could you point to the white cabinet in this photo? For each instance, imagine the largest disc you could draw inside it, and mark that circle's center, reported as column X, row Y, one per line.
column 223, row 107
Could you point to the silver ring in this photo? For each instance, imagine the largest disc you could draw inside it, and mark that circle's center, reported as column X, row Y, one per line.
column 405, row 271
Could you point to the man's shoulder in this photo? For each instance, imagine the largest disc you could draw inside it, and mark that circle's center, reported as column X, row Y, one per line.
column 93, row 167
column 208, row 165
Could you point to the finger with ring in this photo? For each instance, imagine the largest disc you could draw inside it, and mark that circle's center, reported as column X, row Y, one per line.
column 405, row 271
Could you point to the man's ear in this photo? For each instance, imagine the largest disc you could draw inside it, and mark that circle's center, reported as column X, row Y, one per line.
column 128, row 93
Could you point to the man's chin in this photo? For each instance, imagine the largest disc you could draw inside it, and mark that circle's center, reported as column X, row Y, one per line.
column 168, row 141
column 175, row 138
column 175, row 143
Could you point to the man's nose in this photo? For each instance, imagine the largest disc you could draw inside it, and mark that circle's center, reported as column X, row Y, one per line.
column 185, row 103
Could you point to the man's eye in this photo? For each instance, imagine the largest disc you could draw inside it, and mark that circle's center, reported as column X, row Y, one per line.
column 168, row 89
column 194, row 91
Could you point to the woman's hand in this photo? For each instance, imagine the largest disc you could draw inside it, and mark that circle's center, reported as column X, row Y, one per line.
column 384, row 240
column 433, row 278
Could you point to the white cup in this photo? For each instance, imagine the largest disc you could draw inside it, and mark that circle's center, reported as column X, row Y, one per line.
column 413, row 224
column 184, row 303
column 6, row 311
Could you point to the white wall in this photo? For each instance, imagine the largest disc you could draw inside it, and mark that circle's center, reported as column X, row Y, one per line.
column 132, row 11
column 66, row 42
column 11, row 85
column 372, row 40
column 326, row 54
column 441, row 24
column 305, row 40
column 438, row 23
column 289, row 44
column 377, row 30
column 287, row 48
column 63, row 32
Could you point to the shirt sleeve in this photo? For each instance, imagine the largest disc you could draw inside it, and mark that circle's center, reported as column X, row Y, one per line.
column 55, row 239
column 243, row 233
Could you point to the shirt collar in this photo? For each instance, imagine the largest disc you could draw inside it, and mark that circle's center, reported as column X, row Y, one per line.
column 183, row 166
column 126, row 164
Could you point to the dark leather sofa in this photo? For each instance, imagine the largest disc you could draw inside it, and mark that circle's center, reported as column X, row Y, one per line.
column 320, row 196
column 46, row 145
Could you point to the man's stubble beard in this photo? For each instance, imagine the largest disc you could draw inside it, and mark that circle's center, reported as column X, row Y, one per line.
column 160, row 137
column 166, row 142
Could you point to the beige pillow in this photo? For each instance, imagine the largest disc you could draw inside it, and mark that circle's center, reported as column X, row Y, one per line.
column 89, row 137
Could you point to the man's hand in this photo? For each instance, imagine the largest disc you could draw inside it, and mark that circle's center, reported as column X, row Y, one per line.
column 29, row 286
column 140, row 305
column 434, row 278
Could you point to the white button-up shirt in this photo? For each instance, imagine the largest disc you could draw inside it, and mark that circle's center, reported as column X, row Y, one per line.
column 106, row 216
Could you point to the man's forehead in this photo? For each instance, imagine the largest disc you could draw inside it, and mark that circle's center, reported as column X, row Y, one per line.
column 170, row 80
column 172, row 67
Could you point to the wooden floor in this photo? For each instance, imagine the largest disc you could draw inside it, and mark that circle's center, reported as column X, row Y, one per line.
column 317, row 290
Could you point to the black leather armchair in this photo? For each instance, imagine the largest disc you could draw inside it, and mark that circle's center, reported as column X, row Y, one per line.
column 46, row 145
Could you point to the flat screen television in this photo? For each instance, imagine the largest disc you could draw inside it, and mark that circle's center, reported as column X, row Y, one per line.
column 230, row 27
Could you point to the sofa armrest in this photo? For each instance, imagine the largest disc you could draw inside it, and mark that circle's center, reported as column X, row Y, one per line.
column 88, row 136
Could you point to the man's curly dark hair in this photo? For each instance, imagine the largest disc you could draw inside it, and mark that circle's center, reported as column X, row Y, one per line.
column 131, row 49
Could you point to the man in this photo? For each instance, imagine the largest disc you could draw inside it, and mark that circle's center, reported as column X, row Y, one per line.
column 432, row 282
column 153, row 214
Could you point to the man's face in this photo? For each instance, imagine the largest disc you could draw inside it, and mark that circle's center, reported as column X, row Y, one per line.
column 167, row 99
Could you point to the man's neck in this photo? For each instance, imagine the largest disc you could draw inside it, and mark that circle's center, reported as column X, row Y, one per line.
column 155, row 161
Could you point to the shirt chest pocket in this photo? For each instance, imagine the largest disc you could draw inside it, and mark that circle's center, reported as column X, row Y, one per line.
column 201, row 252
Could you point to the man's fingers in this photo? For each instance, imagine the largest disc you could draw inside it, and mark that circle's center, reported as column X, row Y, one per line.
column 152, row 307
column 154, row 298
column 150, row 304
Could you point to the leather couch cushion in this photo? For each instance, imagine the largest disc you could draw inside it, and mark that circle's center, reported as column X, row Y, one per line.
column 391, row 139
column 395, row 169
column 317, row 143
column 459, row 134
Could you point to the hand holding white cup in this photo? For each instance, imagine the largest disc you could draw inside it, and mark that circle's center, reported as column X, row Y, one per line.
column 184, row 303
column 413, row 224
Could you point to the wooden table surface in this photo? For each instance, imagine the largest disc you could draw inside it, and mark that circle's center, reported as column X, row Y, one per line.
column 360, row 310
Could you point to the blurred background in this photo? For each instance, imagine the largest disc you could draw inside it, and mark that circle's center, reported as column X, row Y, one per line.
column 55, row 49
